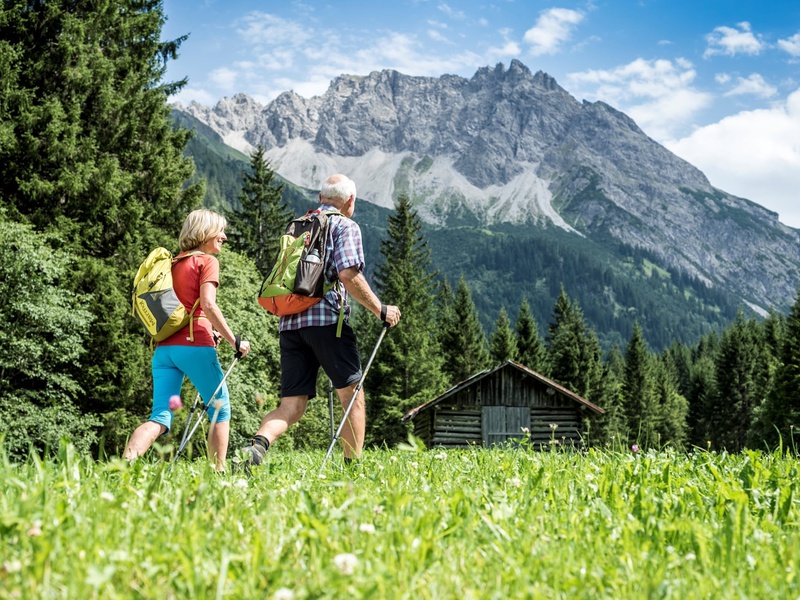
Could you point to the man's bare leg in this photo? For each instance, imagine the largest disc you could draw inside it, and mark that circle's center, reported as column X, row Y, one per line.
column 353, row 431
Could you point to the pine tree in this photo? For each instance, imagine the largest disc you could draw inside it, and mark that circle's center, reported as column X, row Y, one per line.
column 701, row 398
column 672, row 406
column 639, row 392
column 502, row 344
column 89, row 155
column 256, row 226
column 611, row 429
column 780, row 418
column 408, row 369
column 530, row 346
column 742, row 371
column 463, row 341
column 573, row 351
column 92, row 148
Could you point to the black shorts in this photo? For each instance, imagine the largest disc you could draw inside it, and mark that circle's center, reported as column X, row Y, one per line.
column 305, row 350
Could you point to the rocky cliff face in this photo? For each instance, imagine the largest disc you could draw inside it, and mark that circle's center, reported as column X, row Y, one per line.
column 509, row 145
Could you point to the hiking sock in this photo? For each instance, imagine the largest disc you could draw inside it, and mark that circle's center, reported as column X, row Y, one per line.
column 261, row 441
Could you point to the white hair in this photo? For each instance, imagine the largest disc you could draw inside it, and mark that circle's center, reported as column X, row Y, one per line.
column 338, row 187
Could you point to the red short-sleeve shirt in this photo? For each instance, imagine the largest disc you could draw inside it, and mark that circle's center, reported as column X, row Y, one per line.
column 188, row 275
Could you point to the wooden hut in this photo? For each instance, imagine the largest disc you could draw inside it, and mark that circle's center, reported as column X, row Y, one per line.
column 503, row 405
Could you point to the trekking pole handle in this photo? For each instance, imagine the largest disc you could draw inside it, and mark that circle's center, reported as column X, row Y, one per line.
column 383, row 314
column 238, row 340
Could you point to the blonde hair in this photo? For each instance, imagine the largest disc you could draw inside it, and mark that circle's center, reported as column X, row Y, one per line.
column 200, row 226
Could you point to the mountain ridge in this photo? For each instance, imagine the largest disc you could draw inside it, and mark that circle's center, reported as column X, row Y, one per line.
column 509, row 146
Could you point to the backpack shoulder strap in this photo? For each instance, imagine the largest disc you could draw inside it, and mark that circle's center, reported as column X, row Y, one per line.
column 186, row 255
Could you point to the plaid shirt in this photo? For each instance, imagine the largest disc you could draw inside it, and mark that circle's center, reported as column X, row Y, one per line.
column 343, row 249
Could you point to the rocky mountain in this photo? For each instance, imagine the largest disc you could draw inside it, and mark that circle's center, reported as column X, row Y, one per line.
column 509, row 146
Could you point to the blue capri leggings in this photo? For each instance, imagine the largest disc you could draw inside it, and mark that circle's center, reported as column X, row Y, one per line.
column 201, row 366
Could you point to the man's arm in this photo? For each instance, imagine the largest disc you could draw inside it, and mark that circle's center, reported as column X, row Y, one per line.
column 356, row 285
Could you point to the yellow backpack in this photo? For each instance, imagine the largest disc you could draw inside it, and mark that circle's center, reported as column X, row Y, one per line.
column 155, row 302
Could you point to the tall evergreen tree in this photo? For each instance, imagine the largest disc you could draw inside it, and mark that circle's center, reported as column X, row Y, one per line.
column 530, row 346
column 742, row 372
column 672, row 406
column 463, row 340
column 639, row 392
column 702, row 399
column 502, row 344
column 261, row 218
column 91, row 149
column 780, row 419
column 89, row 154
column 611, row 429
column 573, row 351
column 408, row 370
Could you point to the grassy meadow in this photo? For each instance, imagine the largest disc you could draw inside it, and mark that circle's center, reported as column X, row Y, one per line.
column 404, row 523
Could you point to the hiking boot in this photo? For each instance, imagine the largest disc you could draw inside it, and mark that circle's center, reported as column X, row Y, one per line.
column 256, row 451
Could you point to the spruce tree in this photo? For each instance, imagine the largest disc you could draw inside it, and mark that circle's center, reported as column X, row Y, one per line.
column 502, row 344
column 463, row 340
column 780, row 418
column 639, row 392
column 262, row 216
column 573, row 351
column 672, row 406
column 530, row 346
column 89, row 155
column 408, row 369
column 91, row 148
column 702, row 400
column 742, row 372
column 611, row 429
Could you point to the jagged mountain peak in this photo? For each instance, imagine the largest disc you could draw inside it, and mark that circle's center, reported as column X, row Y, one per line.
column 507, row 145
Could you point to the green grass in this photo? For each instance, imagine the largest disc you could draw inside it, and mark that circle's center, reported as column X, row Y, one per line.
column 404, row 524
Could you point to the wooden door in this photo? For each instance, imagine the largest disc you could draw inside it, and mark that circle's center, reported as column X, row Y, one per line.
column 499, row 424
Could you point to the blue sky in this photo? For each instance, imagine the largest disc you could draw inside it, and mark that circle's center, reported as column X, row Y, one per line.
column 715, row 81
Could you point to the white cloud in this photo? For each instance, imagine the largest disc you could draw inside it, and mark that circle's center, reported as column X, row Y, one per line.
column 753, row 154
column 192, row 94
column 754, row 85
column 731, row 41
column 437, row 37
column 498, row 53
column 791, row 45
column 263, row 29
column 657, row 94
column 451, row 12
column 553, row 27
column 223, row 78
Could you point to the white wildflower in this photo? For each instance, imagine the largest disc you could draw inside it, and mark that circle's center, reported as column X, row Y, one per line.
column 346, row 563
column 12, row 566
column 241, row 483
column 107, row 496
column 283, row 594
column 367, row 528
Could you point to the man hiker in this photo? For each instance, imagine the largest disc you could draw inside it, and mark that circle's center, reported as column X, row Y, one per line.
column 309, row 340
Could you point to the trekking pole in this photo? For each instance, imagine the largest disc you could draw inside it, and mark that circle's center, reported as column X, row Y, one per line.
column 355, row 395
column 186, row 438
column 330, row 404
column 189, row 420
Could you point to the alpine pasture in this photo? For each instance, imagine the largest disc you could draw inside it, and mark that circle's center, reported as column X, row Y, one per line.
column 404, row 523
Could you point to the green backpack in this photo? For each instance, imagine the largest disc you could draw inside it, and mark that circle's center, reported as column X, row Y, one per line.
column 297, row 279
column 155, row 302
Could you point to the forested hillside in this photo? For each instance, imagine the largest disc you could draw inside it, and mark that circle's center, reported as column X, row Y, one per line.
column 505, row 263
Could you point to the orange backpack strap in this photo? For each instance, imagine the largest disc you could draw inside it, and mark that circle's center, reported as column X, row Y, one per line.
column 192, row 318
